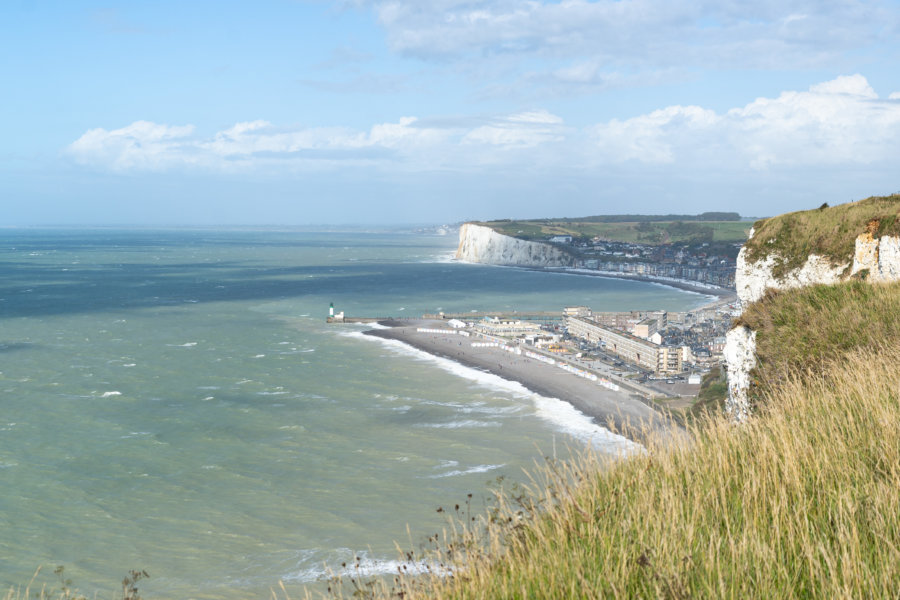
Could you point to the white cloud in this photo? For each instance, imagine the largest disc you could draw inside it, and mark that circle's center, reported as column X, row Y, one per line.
column 636, row 33
column 141, row 145
column 521, row 130
column 255, row 144
column 652, row 138
column 836, row 123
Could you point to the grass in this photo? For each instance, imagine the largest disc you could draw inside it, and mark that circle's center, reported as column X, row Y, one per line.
column 651, row 233
column 829, row 232
column 806, row 328
column 802, row 501
column 63, row 588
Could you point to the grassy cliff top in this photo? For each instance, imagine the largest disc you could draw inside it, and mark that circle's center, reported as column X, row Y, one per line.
column 640, row 229
column 802, row 330
column 801, row 502
column 829, row 232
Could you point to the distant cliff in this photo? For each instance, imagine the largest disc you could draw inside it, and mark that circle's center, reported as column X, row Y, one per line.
column 481, row 244
column 854, row 242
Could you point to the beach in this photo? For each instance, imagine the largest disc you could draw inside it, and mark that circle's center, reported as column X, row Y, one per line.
column 686, row 285
column 619, row 411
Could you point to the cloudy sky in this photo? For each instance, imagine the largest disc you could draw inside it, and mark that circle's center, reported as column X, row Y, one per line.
column 417, row 111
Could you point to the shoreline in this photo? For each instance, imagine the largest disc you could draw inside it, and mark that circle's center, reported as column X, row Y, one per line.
column 620, row 412
column 686, row 285
column 681, row 284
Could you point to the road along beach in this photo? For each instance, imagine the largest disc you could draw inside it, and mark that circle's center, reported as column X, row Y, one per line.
column 623, row 413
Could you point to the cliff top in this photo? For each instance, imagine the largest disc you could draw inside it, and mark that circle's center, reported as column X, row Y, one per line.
column 639, row 229
column 803, row 330
column 829, row 232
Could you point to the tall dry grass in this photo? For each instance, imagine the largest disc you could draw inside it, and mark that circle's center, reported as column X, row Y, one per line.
column 802, row 501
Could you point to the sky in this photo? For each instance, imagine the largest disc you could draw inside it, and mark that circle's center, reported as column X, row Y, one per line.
column 292, row 112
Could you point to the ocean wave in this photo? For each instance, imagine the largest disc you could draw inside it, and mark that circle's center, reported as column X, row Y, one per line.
column 469, row 471
column 476, row 407
column 574, row 422
column 561, row 415
column 465, row 424
column 442, row 258
column 364, row 567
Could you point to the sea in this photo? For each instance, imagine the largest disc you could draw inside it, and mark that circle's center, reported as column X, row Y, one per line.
column 173, row 401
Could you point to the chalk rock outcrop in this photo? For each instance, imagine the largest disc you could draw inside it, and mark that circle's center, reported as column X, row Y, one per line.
column 480, row 244
column 740, row 358
column 752, row 279
column 879, row 258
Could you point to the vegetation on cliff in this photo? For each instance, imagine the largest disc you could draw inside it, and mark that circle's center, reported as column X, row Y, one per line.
column 801, row 501
column 642, row 229
column 829, row 232
column 804, row 329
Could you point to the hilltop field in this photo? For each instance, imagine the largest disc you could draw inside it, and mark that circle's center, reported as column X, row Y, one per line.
column 639, row 229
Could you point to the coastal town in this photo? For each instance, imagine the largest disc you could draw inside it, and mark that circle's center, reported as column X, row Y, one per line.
column 655, row 354
column 708, row 263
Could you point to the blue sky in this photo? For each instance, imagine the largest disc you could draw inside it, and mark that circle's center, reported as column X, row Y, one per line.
column 406, row 111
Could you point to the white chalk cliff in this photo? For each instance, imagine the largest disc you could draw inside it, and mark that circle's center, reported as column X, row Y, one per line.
column 740, row 358
column 480, row 244
column 878, row 257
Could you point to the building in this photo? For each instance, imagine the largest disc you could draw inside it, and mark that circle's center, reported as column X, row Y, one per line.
column 645, row 328
column 653, row 357
column 506, row 328
column 577, row 311
column 627, row 320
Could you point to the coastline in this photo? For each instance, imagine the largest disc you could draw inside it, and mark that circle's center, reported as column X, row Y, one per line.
column 622, row 413
column 696, row 287
column 681, row 284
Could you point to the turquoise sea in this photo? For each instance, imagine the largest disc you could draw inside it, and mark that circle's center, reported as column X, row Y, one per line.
column 174, row 401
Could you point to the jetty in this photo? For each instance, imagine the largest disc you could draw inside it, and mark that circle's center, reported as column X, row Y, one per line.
column 539, row 316
column 544, row 317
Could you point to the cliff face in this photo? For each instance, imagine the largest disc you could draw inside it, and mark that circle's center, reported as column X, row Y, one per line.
column 480, row 244
column 879, row 258
column 874, row 258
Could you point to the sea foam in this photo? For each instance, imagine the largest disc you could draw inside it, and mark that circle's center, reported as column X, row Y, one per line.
column 561, row 415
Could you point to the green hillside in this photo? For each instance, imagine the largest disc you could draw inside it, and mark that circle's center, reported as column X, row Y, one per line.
column 637, row 231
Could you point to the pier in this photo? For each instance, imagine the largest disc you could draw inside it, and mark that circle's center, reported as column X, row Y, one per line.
column 340, row 318
column 546, row 317
column 549, row 317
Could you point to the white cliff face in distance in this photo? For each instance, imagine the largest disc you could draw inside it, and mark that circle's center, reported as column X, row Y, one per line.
column 480, row 244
